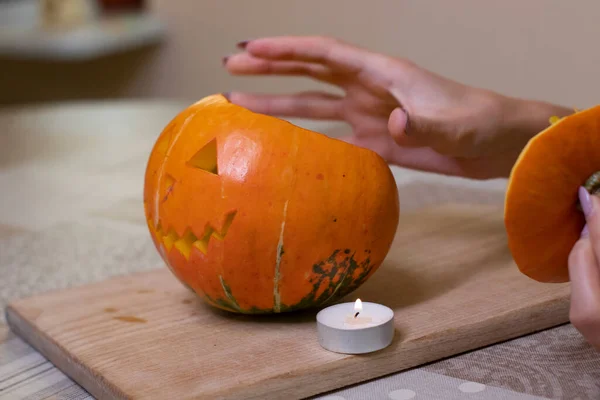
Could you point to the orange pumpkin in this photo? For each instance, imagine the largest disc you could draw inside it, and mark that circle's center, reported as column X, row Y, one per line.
column 543, row 218
column 257, row 215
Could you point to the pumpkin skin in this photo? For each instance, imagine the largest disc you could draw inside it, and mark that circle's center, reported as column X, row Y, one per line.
column 257, row 215
column 542, row 214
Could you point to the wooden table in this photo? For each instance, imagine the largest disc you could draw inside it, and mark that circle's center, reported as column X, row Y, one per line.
column 71, row 177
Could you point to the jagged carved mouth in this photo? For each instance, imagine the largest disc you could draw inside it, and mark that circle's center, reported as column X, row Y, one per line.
column 184, row 244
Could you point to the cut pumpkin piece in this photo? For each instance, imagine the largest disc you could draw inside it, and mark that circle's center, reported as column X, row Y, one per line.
column 543, row 218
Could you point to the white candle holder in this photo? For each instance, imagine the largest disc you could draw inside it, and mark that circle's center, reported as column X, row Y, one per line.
column 355, row 328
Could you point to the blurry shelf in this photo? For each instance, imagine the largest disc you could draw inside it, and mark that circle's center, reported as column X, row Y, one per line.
column 98, row 38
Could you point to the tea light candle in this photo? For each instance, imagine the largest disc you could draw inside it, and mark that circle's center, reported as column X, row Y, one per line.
column 355, row 328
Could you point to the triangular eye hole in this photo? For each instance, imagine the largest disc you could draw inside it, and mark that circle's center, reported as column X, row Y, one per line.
column 206, row 158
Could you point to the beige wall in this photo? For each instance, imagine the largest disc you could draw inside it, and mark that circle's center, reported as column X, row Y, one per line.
column 546, row 49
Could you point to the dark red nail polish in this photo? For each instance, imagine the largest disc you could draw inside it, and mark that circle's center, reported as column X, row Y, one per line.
column 224, row 60
column 243, row 44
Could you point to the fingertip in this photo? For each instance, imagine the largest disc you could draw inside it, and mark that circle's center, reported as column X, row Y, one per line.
column 398, row 126
column 592, row 226
column 397, row 123
column 259, row 47
column 242, row 44
column 233, row 98
column 590, row 203
column 585, row 201
column 230, row 62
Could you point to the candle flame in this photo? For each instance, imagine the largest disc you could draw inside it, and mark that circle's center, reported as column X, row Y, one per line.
column 358, row 305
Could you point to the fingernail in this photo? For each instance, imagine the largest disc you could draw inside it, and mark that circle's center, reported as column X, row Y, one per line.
column 224, row 60
column 243, row 44
column 585, row 232
column 226, row 95
column 585, row 201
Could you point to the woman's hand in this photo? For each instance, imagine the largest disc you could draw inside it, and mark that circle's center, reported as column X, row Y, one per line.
column 417, row 119
column 584, row 273
column 410, row 116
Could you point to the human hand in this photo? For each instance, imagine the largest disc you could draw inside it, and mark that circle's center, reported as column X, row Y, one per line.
column 584, row 273
column 410, row 116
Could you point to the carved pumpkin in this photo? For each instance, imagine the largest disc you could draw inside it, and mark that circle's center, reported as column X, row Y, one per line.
column 257, row 215
column 543, row 218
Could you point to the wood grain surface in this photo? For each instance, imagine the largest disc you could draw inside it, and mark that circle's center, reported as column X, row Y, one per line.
column 449, row 277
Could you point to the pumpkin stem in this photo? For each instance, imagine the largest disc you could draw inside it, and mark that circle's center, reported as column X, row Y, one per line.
column 592, row 185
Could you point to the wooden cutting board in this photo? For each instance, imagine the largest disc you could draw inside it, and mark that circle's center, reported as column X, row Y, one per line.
column 449, row 277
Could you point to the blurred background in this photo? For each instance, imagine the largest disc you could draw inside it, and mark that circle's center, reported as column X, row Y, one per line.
column 63, row 50
column 86, row 86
